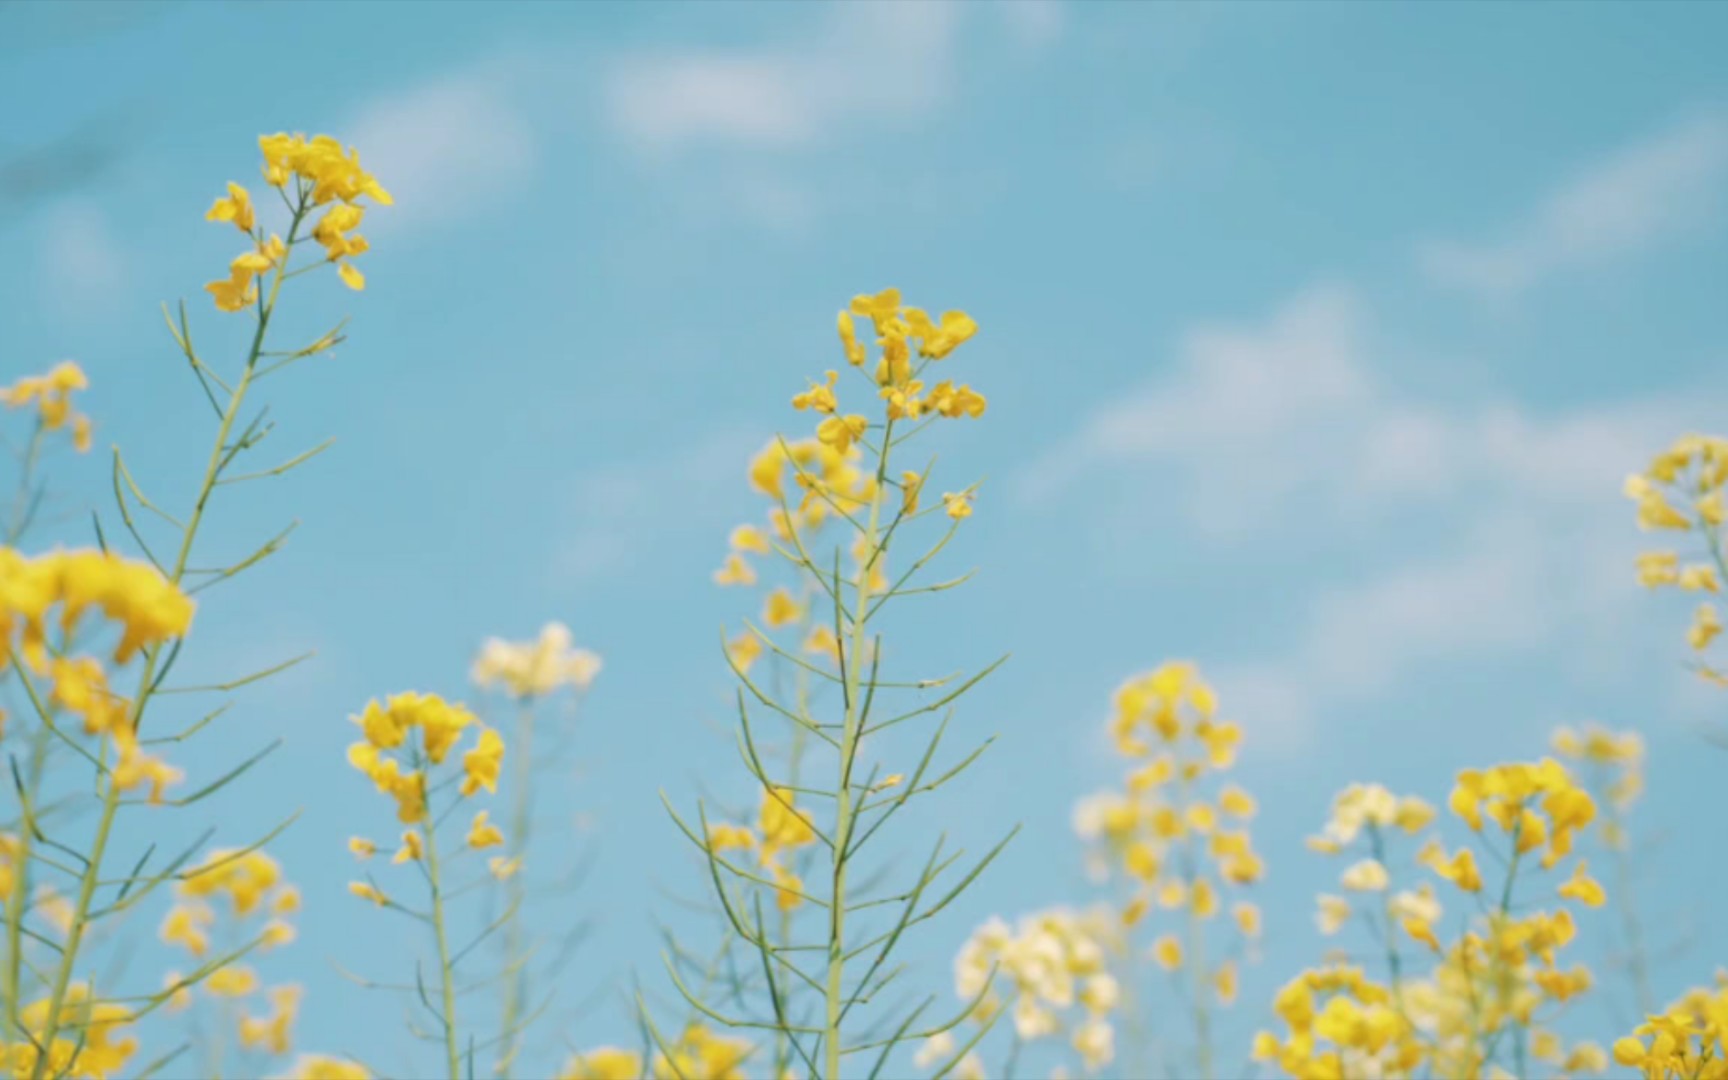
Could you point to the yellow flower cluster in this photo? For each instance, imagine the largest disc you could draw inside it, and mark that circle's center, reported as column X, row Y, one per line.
column 320, row 1067
column 780, row 828
column 1164, row 829
column 91, row 1045
column 322, row 172
column 429, row 727
column 1053, row 961
column 832, row 480
column 250, row 885
column 699, row 1054
column 530, row 669
column 1687, row 1041
column 52, row 394
column 1339, row 1023
column 147, row 607
column 1499, row 983
column 603, row 1063
column 1682, row 491
column 1616, row 760
column 1538, row 806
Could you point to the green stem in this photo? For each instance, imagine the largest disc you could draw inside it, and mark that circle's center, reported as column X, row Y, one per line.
column 16, row 524
column 111, row 791
column 516, row 978
column 854, row 722
column 446, row 974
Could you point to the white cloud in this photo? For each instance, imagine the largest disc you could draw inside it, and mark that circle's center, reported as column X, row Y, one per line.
column 81, row 260
column 885, row 63
column 1651, row 191
column 1263, row 431
column 444, row 147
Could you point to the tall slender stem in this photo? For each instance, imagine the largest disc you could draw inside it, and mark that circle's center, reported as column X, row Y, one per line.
column 446, row 976
column 854, row 722
column 152, row 655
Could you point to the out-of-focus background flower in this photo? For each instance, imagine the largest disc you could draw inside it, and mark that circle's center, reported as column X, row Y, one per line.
column 1318, row 340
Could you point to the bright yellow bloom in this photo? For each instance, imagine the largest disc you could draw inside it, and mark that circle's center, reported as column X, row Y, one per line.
column 483, row 834
column 362, row 847
column 958, row 506
column 480, row 766
column 780, row 609
column 820, row 396
column 749, row 538
column 604, row 1063
column 236, row 208
column 319, row 1067
column 1583, row 888
column 52, row 394
column 413, row 849
column 841, row 432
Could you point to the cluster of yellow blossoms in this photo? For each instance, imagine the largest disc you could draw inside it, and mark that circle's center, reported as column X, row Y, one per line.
column 1175, row 836
column 1489, row 994
column 1687, row 1041
column 781, row 828
column 832, row 480
column 532, row 669
column 428, row 728
column 1682, row 491
column 699, row 1054
column 249, row 886
column 323, row 172
column 52, row 395
column 148, row 609
column 91, row 1044
column 1053, row 961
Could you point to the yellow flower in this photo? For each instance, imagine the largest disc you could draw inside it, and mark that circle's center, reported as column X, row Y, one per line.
column 1333, row 913
column 1706, row 624
column 959, row 505
column 744, row 650
column 1167, row 951
column 366, row 891
column 480, row 765
column 820, row 396
column 911, row 484
column 236, row 207
column 604, row 1063
column 780, row 609
column 412, row 848
column 1236, row 802
column 841, row 432
column 849, row 340
column 1658, row 568
column 483, row 834
column 503, row 869
column 749, row 538
column 319, row 1067
column 235, row 980
column 362, row 847
column 1247, row 918
column 1699, row 577
column 1583, row 888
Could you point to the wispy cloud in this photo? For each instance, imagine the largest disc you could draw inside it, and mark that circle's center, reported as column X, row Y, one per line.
column 750, row 117
column 884, row 61
column 1651, row 191
column 444, row 147
column 1283, row 427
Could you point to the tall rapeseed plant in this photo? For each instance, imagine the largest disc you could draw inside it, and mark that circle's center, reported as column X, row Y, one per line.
column 842, row 504
column 49, row 603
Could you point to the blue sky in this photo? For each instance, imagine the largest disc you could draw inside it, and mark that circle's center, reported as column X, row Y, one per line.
column 1317, row 341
